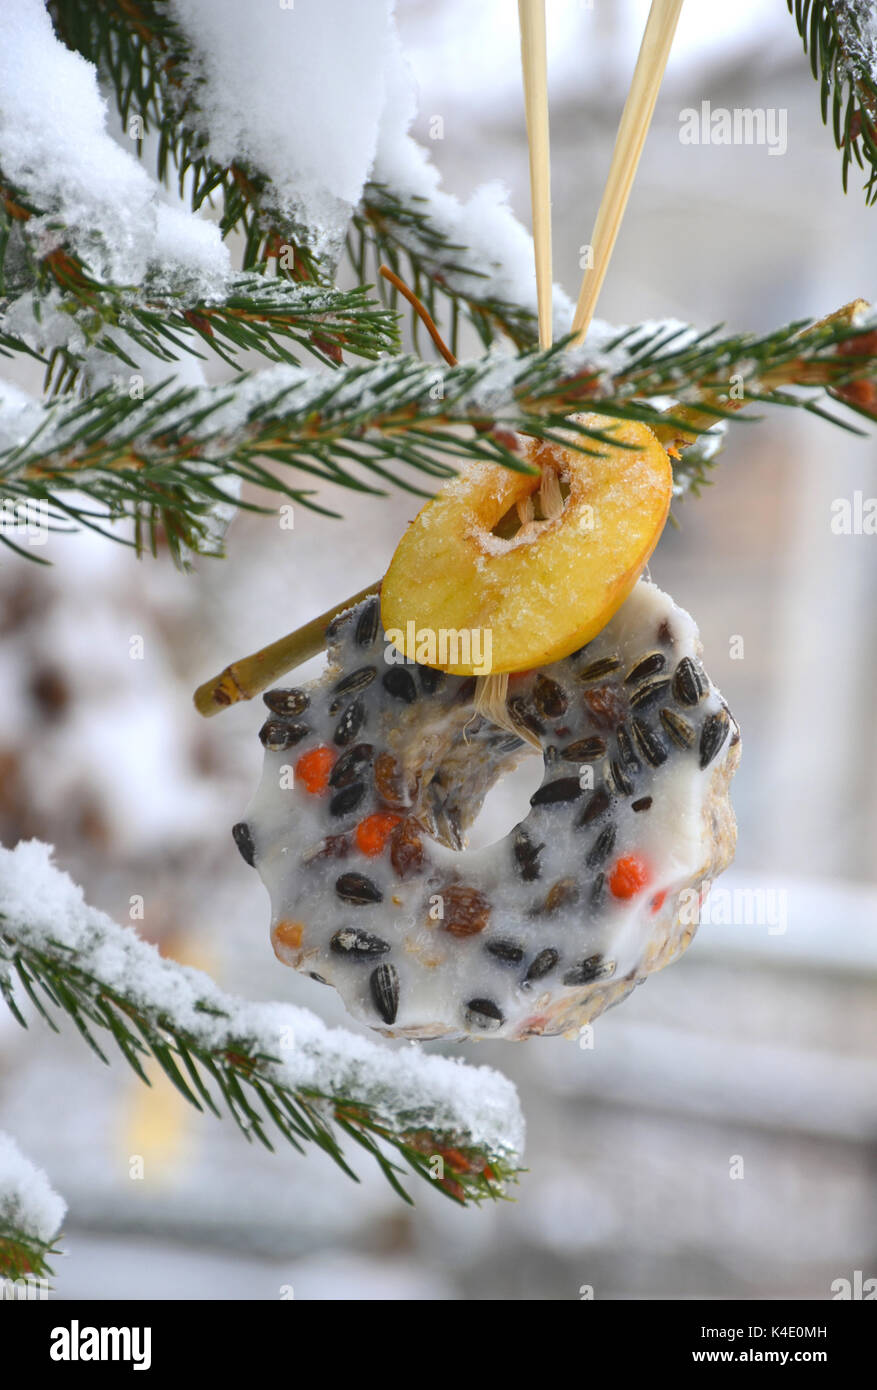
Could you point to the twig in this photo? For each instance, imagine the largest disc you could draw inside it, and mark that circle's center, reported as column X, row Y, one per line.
column 632, row 132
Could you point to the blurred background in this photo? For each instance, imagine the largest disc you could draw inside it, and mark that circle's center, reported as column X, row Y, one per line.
column 755, row 1055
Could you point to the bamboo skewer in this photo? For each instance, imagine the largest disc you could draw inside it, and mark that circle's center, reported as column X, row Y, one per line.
column 632, row 131
column 531, row 14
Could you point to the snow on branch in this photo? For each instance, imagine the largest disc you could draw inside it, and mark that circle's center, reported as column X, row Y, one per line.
column 272, row 1066
column 31, row 1213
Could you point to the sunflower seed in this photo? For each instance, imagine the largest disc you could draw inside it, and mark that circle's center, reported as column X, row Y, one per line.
column 358, row 945
column 713, row 735
column 367, row 623
column 350, row 723
column 689, row 686
column 243, row 838
column 596, row 669
column 542, row 964
column 594, row 968
column 526, row 855
column 642, row 804
column 678, row 728
column 620, row 780
column 549, row 698
column 357, row 680
column 517, row 708
column 400, row 683
column 484, row 1014
column 356, row 888
column 288, row 702
column 650, row 691
column 597, row 804
column 337, row 623
column 347, row 800
column 508, row 743
column 347, row 768
column 598, row 890
column 646, row 666
column 585, row 750
column 320, row 979
column 384, row 986
column 277, row 735
column 650, row 744
column 625, row 748
column 551, row 793
column 506, row 951
column 602, row 847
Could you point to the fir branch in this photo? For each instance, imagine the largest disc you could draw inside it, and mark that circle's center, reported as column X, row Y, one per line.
column 24, row 1256
column 163, row 459
column 146, row 58
column 256, row 312
column 227, row 1056
column 841, row 36
column 30, row 1218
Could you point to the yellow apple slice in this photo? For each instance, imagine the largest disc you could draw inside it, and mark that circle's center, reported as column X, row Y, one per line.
column 457, row 592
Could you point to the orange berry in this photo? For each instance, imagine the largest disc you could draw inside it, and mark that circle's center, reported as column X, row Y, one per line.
column 658, row 900
column 313, row 768
column 628, row 876
column 373, row 833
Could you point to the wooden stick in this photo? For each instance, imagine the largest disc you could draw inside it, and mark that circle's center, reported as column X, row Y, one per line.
column 252, row 674
column 531, row 15
column 632, row 131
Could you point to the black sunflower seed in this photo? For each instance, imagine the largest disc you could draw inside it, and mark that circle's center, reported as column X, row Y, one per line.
column 542, row 965
column 526, row 855
column 350, row 723
column 650, row 744
column 367, row 623
column 598, row 890
column 288, row 702
column 548, row 697
column 646, row 666
column 507, row 743
column 517, row 708
column 650, row 691
column 400, row 683
column 509, row 952
column 357, row 680
column 347, row 799
column 712, row 736
column 602, row 847
column 430, row 679
column 596, row 669
column 642, row 804
column 356, row 888
column 484, row 1014
column 678, row 728
column 358, row 945
column 625, row 748
column 551, row 793
column 620, row 780
column 585, row 750
column 597, row 805
column 277, row 735
column 384, row 986
column 689, row 686
column 320, row 979
column 243, row 838
column 348, row 765
column 594, row 968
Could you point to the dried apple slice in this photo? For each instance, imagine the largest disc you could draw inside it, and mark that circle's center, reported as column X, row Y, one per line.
column 547, row 589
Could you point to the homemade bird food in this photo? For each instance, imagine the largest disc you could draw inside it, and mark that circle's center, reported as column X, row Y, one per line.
column 374, row 771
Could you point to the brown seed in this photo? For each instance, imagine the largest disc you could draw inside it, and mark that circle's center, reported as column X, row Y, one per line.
column 597, row 805
column 553, row 793
column 642, row 804
column 358, row 945
column 350, row 722
column 389, row 781
column 564, row 891
column 594, row 968
column 509, row 952
column 287, row 702
column 542, row 965
column 349, row 765
column 331, row 847
column 526, row 855
column 548, row 697
column 400, row 684
column 356, row 888
column 522, row 715
column 466, row 910
column 484, row 1014
column 689, row 686
column 596, row 669
column 651, row 690
column 678, row 728
column 620, row 780
column 244, row 840
column 277, row 735
column 347, row 799
column 713, row 735
column 406, row 849
column 585, row 750
column 605, row 705
column 602, row 847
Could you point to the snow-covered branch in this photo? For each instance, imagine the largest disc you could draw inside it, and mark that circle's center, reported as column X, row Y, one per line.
column 31, row 1213
column 270, row 1065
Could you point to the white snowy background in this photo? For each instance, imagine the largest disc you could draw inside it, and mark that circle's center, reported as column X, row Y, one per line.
column 755, row 1045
